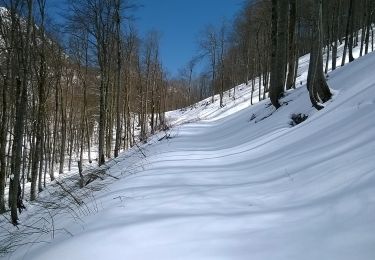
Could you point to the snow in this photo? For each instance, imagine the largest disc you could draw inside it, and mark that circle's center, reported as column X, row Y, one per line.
column 238, row 183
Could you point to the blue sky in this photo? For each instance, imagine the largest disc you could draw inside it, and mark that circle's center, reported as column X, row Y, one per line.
column 180, row 22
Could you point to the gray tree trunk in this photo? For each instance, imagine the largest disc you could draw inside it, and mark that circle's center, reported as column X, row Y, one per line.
column 118, row 81
column 3, row 141
column 335, row 34
column 292, row 45
column 274, row 95
column 21, row 99
column 347, row 31
column 316, row 82
column 279, row 69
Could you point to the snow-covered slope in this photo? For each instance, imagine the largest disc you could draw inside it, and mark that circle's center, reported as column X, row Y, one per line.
column 241, row 183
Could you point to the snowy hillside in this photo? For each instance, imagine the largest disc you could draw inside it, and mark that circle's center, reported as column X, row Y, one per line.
column 238, row 183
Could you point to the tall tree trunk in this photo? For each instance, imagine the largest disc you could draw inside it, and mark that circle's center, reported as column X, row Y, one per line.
column 347, row 31
column 3, row 143
column 277, row 87
column 351, row 38
column 38, row 152
column 369, row 25
column 118, row 81
column 328, row 52
column 335, row 33
column 274, row 92
column 56, row 115
column 363, row 28
column 316, row 82
column 63, row 132
column 292, row 45
column 17, row 150
column 102, row 118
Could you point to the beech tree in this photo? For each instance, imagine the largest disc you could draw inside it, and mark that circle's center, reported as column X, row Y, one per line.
column 292, row 44
column 279, row 49
column 210, row 45
column 19, row 65
column 316, row 82
column 348, row 34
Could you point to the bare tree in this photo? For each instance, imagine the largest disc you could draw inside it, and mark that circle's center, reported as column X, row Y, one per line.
column 348, row 34
column 19, row 62
column 210, row 45
column 118, row 77
column 292, row 43
column 279, row 50
column 316, row 82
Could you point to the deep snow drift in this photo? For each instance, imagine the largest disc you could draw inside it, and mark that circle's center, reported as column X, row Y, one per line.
column 241, row 183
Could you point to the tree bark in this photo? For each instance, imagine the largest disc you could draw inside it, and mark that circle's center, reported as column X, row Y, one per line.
column 277, row 86
column 292, row 45
column 316, row 82
column 3, row 142
column 274, row 92
column 118, row 81
column 351, row 38
column 347, row 31
column 335, row 33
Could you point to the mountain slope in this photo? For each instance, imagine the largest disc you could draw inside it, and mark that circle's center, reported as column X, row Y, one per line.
column 241, row 183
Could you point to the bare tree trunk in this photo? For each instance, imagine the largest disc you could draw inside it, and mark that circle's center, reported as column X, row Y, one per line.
column 109, row 116
column 292, row 45
column 222, row 67
column 102, row 118
column 316, row 82
column 152, row 105
column 42, row 159
column 24, row 164
column 328, row 52
column 17, row 150
column 56, row 115
column 369, row 26
column 118, row 81
column 71, row 120
column 335, row 33
column 3, row 141
column 347, row 31
column 363, row 29
column 274, row 92
column 88, row 136
column 372, row 39
column 351, row 38
column 279, row 68
column 63, row 132
column 38, row 152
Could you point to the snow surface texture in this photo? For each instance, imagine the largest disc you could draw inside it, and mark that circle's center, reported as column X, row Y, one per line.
column 241, row 183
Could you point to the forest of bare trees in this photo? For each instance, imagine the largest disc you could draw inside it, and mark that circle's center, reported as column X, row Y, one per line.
column 95, row 87
column 267, row 38
column 96, row 84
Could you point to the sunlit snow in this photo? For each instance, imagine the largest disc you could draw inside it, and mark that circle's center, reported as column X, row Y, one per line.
column 240, row 183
